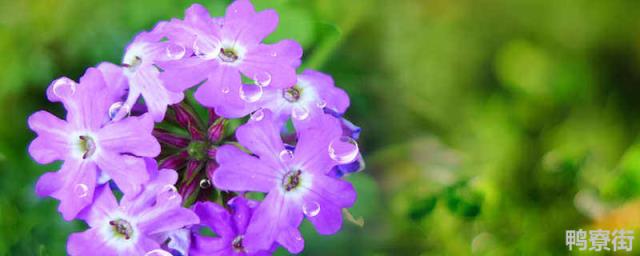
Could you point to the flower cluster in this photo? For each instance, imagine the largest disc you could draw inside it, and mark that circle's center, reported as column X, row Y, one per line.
column 157, row 168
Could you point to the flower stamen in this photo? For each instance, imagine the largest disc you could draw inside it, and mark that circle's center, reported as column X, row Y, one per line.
column 291, row 94
column 228, row 55
column 87, row 146
column 122, row 227
column 291, row 180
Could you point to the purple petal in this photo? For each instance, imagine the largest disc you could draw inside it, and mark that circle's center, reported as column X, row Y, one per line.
column 221, row 89
column 128, row 172
column 88, row 107
column 326, row 199
column 73, row 185
column 89, row 242
column 291, row 239
column 209, row 246
column 146, row 81
column 278, row 61
column 313, row 144
column 239, row 171
column 52, row 141
column 272, row 222
column 143, row 246
column 242, row 213
column 166, row 216
column 103, row 207
column 131, row 135
column 161, row 182
column 179, row 240
column 217, row 218
column 183, row 74
column 247, row 27
column 114, row 78
column 335, row 98
column 262, row 138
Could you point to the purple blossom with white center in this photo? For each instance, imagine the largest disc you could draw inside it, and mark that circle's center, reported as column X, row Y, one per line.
column 225, row 49
column 133, row 226
column 229, row 227
column 306, row 100
column 142, row 75
column 89, row 143
column 118, row 115
column 296, row 183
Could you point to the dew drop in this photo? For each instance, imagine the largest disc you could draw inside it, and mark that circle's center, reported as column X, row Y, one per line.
column 343, row 150
column 286, row 156
column 250, row 93
column 175, row 51
column 204, row 49
column 119, row 110
column 262, row 79
column 158, row 252
column 225, row 89
column 299, row 112
column 311, row 209
column 64, row 87
column 170, row 192
column 257, row 115
column 321, row 103
column 81, row 190
column 274, row 54
column 205, row 183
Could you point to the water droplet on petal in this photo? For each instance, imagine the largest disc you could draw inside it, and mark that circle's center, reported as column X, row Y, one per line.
column 158, row 252
column 119, row 110
column 257, row 115
column 311, row 209
column 250, row 93
column 343, row 150
column 225, row 89
column 274, row 54
column 175, row 51
column 321, row 103
column 262, row 79
column 286, row 156
column 81, row 190
column 299, row 112
column 169, row 192
column 64, row 87
column 204, row 49
column 205, row 183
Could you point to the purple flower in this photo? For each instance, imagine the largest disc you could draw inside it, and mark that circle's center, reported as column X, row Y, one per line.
column 89, row 143
column 296, row 183
column 135, row 225
column 306, row 100
column 225, row 49
column 228, row 227
column 142, row 75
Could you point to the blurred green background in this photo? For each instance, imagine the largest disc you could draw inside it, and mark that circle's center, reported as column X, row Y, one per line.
column 489, row 126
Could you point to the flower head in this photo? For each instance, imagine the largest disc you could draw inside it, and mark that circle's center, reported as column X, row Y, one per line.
column 306, row 100
column 224, row 50
column 89, row 143
column 133, row 226
column 296, row 183
column 142, row 74
column 229, row 227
